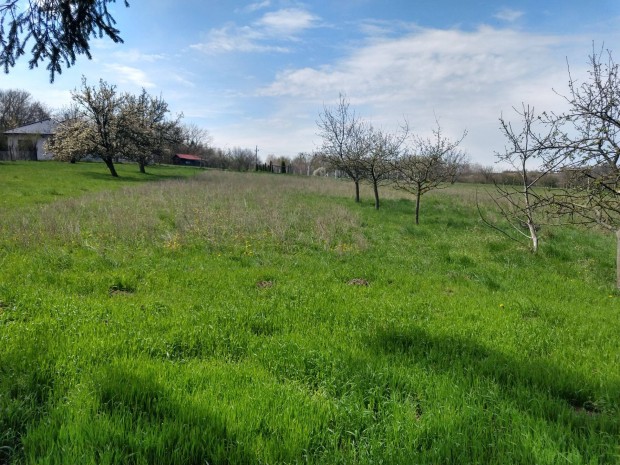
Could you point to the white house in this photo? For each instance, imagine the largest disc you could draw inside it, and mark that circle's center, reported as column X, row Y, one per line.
column 27, row 142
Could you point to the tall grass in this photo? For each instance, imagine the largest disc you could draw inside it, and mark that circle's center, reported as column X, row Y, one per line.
column 256, row 318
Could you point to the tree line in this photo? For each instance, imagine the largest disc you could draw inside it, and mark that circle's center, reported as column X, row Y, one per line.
column 565, row 166
column 409, row 162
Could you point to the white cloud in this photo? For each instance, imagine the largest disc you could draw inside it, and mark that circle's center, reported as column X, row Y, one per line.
column 288, row 22
column 442, row 62
column 466, row 78
column 131, row 75
column 508, row 15
column 134, row 56
column 264, row 35
column 182, row 80
column 256, row 6
column 234, row 39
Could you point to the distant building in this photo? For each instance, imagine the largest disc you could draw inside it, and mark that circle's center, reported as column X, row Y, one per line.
column 27, row 142
column 187, row 160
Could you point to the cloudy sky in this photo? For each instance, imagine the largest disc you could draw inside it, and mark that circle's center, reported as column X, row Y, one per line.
column 259, row 74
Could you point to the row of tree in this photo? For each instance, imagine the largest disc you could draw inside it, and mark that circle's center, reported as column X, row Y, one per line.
column 109, row 125
column 409, row 162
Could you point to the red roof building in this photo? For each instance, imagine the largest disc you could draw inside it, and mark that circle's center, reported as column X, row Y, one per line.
column 186, row 159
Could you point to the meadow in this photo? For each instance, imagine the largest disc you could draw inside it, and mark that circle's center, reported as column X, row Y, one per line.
column 209, row 317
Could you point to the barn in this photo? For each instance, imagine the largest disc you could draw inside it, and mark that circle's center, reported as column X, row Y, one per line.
column 187, row 160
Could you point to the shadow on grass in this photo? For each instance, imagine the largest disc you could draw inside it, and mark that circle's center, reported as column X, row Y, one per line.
column 27, row 379
column 133, row 178
column 137, row 420
column 581, row 413
column 169, row 431
column 536, row 377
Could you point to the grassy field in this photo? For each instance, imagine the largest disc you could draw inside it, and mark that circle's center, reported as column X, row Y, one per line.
column 232, row 318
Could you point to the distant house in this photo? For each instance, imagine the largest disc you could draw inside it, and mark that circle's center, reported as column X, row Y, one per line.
column 187, row 160
column 27, row 142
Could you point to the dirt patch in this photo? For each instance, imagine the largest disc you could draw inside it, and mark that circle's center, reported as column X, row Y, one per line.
column 116, row 290
column 264, row 284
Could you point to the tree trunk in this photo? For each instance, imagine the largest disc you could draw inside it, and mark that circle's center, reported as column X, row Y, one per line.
column 531, row 225
column 417, row 206
column 142, row 165
column 376, row 189
column 618, row 258
column 110, row 164
column 533, row 236
column 357, row 191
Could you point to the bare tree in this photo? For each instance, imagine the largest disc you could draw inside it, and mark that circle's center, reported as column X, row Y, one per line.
column 380, row 150
column 429, row 163
column 532, row 154
column 240, row 159
column 59, row 30
column 17, row 108
column 196, row 140
column 304, row 163
column 342, row 133
column 592, row 141
column 66, row 113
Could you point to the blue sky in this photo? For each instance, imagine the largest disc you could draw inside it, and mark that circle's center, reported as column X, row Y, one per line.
column 259, row 73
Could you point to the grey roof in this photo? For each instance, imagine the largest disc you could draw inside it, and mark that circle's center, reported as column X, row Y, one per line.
column 47, row 126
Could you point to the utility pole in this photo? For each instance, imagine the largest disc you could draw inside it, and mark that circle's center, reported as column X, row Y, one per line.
column 256, row 157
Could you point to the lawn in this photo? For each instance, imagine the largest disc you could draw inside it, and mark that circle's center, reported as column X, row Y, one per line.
column 247, row 318
column 26, row 183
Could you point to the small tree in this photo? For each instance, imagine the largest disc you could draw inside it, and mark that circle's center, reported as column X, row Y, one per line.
column 592, row 145
column 532, row 155
column 60, row 30
column 380, row 151
column 240, row 159
column 306, row 162
column 342, row 133
column 429, row 163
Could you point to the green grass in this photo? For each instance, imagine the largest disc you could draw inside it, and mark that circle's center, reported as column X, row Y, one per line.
column 211, row 320
column 27, row 183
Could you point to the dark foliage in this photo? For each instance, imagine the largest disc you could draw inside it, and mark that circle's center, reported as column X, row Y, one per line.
column 59, row 30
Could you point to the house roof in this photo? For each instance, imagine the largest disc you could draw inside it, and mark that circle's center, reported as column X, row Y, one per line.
column 45, row 127
column 184, row 156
